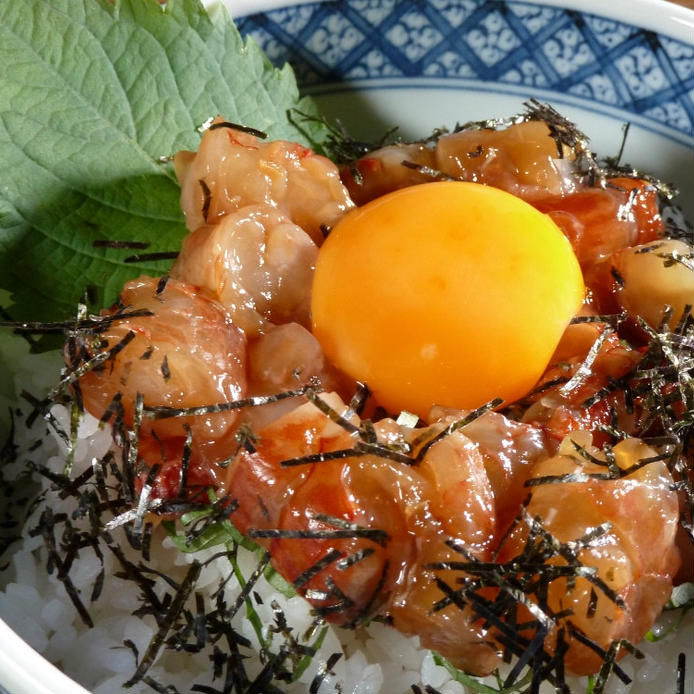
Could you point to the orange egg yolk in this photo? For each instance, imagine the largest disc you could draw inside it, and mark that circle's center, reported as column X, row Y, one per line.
column 446, row 293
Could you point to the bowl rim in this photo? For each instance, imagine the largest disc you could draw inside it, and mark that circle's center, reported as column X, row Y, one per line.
column 659, row 16
column 42, row 677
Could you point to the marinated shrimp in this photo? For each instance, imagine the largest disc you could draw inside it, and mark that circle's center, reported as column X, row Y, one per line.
column 257, row 212
column 370, row 517
column 256, row 263
column 170, row 345
column 233, row 168
column 617, row 513
column 397, row 516
column 652, row 278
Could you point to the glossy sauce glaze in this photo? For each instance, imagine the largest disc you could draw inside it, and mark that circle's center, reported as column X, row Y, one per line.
column 437, row 528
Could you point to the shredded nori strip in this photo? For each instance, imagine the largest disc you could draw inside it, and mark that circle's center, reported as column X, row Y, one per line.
column 313, row 458
column 250, row 583
column 339, row 145
column 161, row 285
column 165, row 370
column 161, row 412
column 165, row 623
column 91, row 324
column 324, row 670
column 305, row 576
column 185, row 462
column 585, row 368
column 235, row 126
column 355, row 558
column 314, row 397
column 206, row 198
column 681, row 672
column 158, row 687
column 360, row 398
column 106, row 243
column 373, row 534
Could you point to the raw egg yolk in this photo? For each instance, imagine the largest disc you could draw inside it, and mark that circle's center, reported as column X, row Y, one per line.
column 445, row 293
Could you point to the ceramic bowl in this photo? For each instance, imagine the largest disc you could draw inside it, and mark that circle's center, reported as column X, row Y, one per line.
column 421, row 65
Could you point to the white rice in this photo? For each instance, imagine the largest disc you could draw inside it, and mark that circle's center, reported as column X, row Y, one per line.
column 35, row 604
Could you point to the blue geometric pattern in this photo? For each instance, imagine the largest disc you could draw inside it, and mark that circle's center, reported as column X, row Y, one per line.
column 497, row 41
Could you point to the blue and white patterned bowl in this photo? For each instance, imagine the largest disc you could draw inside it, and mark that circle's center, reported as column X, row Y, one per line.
column 375, row 64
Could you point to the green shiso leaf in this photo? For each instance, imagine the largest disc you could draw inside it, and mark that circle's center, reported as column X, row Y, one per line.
column 92, row 96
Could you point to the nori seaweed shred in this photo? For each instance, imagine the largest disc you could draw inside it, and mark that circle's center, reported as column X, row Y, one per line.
column 90, row 324
column 323, row 671
column 681, row 671
column 185, row 462
column 374, row 534
column 235, row 126
column 165, row 370
column 339, row 145
column 206, row 198
column 522, row 581
column 166, row 621
column 305, row 576
column 162, row 412
column 107, row 498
